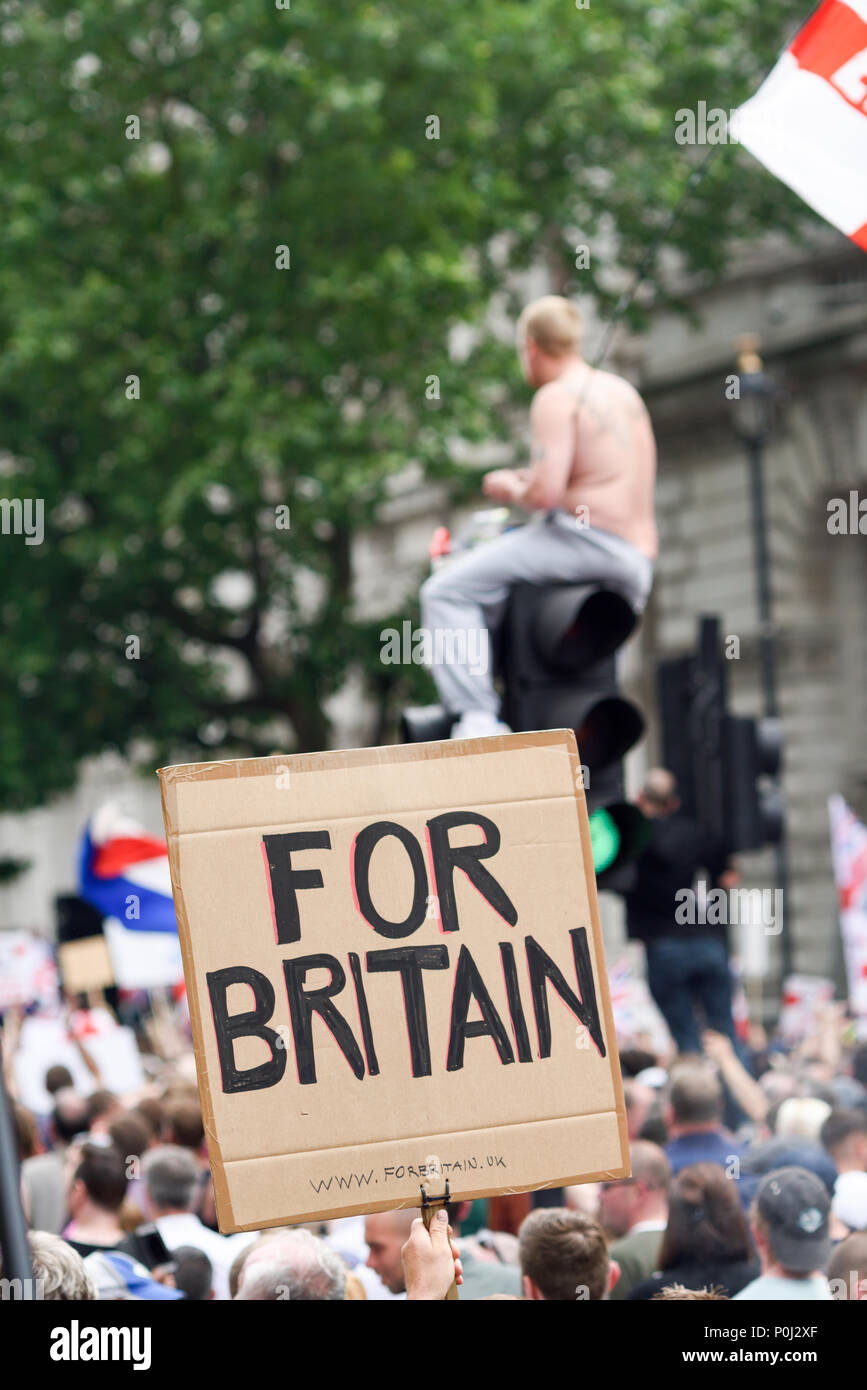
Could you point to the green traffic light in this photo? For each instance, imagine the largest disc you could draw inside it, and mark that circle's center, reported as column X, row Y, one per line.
column 605, row 840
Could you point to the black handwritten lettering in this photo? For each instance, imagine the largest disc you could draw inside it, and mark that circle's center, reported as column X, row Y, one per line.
column 365, row 843
column 542, row 970
column 285, row 881
column 513, row 994
column 251, row 1024
column 447, row 858
column 303, row 1004
column 411, row 961
column 469, row 985
column 363, row 1015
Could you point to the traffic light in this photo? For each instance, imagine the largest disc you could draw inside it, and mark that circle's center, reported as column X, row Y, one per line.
column 559, row 669
column 618, row 834
column 555, row 656
column 727, row 766
column 425, row 724
column 754, row 805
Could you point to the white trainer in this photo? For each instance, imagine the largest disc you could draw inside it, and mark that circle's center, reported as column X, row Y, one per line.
column 477, row 723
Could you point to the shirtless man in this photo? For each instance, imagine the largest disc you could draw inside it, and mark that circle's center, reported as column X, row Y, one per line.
column 590, row 489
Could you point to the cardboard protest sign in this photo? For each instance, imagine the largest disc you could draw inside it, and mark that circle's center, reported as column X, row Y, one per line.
column 805, row 1000
column 395, row 975
column 28, row 974
column 85, row 965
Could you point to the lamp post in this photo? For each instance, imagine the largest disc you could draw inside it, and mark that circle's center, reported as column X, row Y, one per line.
column 756, row 410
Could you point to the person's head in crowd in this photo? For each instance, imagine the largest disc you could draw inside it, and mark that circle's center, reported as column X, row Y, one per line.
column 695, row 1099
column 26, row 1131
column 847, row 1269
column 182, row 1123
column 193, row 1273
column 548, row 333
column 849, row 1202
column 818, row 1087
column 171, row 1177
column 59, row 1270
column 790, row 1223
column 180, row 1086
column 801, row 1117
column 658, row 797
column 778, row 1085
column 643, row 1196
column 859, row 1064
column 457, row 1212
column 130, row 1135
column 96, row 1184
column 294, row 1265
column 583, row 1196
column 705, row 1221
column 564, row 1257
column 654, row 1129
column 639, row 1101
column 102, row 1106
column 244, row 1254
column 386, row 1233
column 151, row 1111
column 69, row 1116
column 634, row 1060
column 844, row 1136
column 676, row 1293
column 58, row 1078
column 847, row 1093
column 766, row 1155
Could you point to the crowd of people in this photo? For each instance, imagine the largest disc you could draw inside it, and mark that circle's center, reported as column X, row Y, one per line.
column 749, row 1182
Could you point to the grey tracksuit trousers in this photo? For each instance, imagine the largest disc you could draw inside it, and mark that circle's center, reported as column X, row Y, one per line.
column 470, row 592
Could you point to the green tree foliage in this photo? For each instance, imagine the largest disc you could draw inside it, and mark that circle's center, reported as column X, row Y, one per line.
column 155, row 158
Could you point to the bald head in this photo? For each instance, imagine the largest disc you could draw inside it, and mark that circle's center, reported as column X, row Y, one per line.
column 649, row 1164
column 639, row 1099
column 658, row 796
column 696, row 1096
column 644, row 1196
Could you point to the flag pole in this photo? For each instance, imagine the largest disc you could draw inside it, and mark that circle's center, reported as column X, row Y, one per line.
column 629, row 294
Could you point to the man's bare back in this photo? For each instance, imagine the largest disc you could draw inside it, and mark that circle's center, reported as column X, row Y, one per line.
column 613, row 452
column 592, row 447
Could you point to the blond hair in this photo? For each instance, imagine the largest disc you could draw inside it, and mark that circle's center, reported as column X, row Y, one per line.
column 801, row 1117
column 553, row 323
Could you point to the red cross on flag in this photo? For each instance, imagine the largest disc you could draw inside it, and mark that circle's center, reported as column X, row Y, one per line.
column 807, row 123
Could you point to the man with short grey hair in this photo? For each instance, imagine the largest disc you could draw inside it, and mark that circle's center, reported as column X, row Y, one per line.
column 636, row 1211
column 695, row 1119
column 293, row 1266
column 171, row 1179
column 59, row 1272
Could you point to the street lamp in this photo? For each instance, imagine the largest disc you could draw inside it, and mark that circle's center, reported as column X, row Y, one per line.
column 755, row 416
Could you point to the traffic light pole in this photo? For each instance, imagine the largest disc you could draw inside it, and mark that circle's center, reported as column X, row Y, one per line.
column 13, row 1227
column 768, row 662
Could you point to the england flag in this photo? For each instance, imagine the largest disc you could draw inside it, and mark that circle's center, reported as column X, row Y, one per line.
column 807, row 123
